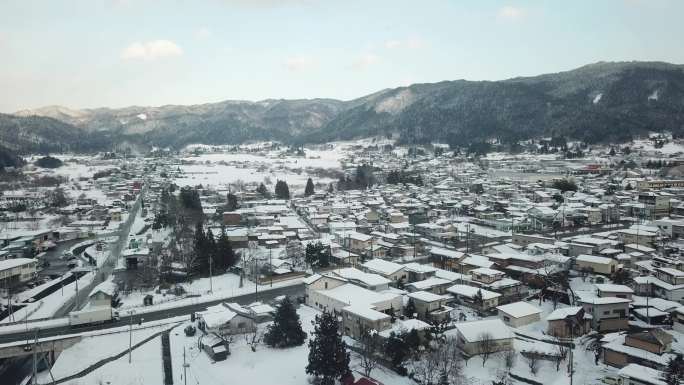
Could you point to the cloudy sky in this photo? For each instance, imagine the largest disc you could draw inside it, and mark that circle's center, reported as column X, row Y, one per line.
column 92, row 53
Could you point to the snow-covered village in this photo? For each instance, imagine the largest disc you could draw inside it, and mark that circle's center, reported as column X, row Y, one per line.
column 361, row 262
column 307, row 192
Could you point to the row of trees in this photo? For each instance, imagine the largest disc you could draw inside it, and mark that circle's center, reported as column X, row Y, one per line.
column 328, row 356
column 209, row 250
column 363, row 179
column 401, row 177
column 282, row 190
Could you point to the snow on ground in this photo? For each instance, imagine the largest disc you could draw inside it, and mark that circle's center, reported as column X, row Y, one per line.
column 220, row 174
column 597, row 98
column 668, row 148
column 146, row 368
column 586, row 372
column 47, row 306
column 276, row 366
column 138, row 224
column 225, row 286
column 265, row 366
column 255, row 167
column 93, row 349
column 76, row 170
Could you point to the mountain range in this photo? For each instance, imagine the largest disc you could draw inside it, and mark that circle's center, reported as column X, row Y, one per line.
column 601, row 102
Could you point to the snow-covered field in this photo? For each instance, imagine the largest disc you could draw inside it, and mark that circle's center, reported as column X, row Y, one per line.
column 224, row 286
column 92, row 349
column 224, row 168
column 224, row 175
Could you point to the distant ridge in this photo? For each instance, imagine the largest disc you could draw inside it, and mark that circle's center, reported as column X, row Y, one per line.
column 600, row 102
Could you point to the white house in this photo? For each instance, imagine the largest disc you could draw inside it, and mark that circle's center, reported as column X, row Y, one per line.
column 469, row 335
column 518, row 314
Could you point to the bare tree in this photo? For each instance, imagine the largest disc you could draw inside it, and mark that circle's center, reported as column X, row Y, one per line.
column 425, row 367
column 509, row 359
column 449, row 360
column 148, row 273
column 253, row 338
column 485, row 345
column 532, row 359
column 370, row 347
column 561, row 353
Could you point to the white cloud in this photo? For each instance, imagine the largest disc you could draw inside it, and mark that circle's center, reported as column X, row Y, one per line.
column 511, row 13
column 409, row 43
column 203, row 33
column 300, row 63
column 151, row 50
column 392, row 44
column 365, row 61
column 267, row 3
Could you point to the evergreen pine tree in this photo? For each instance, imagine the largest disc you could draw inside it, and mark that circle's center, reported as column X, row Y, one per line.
column 311, row 254
column 309, row 190
column 674, row 373
column 397, row 351
column 201, row 253
column 232, row 202
column 211, row 248
column 286, row 330
column 282, row 191
column 479, row 299
column 412, row 340
column 328, row 356
column 410, row 309
column 225, row 256
column 263, row 191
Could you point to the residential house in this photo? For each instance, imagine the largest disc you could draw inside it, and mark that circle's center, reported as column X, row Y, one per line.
column 647, row 348
column 595, row 264
column 518, row 314
column 635, row 374
column 568, row 322
column 390, row 270
column 430, row 306
column 224, row 320
column 608, row 313
column 358, row 320
column 474, row 297
column 470, row 334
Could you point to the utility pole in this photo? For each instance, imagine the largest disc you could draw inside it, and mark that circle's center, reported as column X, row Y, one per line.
column 185, row 366
column 77, row 305
column 35, row 362
column 348, row 249
column 130, row 334
column 211, row 284
column 270, row 262
column 467, row 238
column 413, row 236
column 9, row 304
column 256, row 281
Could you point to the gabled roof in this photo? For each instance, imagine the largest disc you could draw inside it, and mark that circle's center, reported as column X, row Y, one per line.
column 474, row 331
column 383, row 267
column 519, row 309
column 311, row 279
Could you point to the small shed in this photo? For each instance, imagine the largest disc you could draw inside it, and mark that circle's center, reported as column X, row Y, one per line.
column 216, row 347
